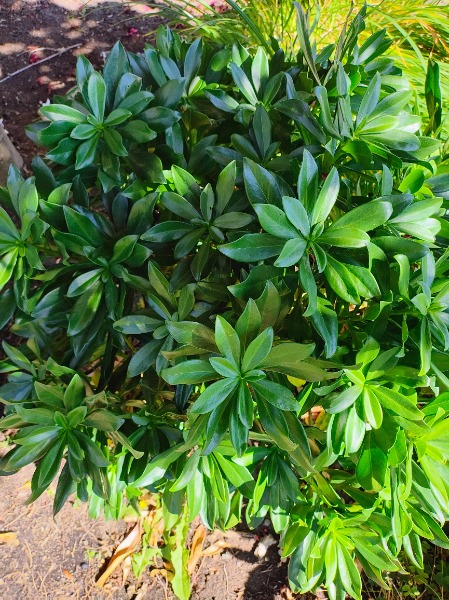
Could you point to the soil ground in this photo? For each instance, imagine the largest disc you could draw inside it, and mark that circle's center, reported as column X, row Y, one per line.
column 61, row 559
column 31, row 30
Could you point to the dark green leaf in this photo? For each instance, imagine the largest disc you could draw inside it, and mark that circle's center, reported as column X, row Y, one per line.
column 257, row 350
column 191, row 371
column 275, row 394
column 85, row 309
column 261, row 186
column 144, row 358
column 253, row 247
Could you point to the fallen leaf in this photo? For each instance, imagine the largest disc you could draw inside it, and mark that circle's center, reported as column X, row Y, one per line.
column 215, row 548
column 287, row 593
column 196, row 548
column 168, row 575
column 126, row 548
column 156, row 533
column 9, row 537
column 126, row 569
column 67, row 574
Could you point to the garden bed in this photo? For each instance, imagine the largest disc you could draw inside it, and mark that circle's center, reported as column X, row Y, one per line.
column 62, row 558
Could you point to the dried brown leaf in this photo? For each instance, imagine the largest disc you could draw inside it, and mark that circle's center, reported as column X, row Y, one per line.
column 168, row 575
column 68, row 575
column 196, row 548
column 126, row 569
column 127, row 547
column 216, row 548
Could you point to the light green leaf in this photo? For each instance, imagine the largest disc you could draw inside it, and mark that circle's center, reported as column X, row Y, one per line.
column 61, row 112
column 227, row 340
column 214, row 395
column 274, row 221
column 326, row 198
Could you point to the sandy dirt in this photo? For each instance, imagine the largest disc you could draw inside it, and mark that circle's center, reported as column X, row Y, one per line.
column 61, row 558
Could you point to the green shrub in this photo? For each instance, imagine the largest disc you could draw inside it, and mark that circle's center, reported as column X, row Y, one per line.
column 419, row 29
column 231, row 289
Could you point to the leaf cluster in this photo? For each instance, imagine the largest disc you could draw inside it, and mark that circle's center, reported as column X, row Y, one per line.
column 229, row 281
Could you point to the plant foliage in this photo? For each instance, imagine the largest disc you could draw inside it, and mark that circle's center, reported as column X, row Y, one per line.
column 231, row 289
column 418, row 29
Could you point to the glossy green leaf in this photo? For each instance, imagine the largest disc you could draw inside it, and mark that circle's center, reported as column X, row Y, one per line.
column 274, row 221
column 214, row 395
column 275, row 394
column 227, row 340
column 85, row 308
column 243, row 83
column 253, row 247
column 257, row 350
column 61, row 112
column 261, row 186
column 326, row 198
column 191, row 371
column 144, row 358
column 398, row 403
column 96, row 90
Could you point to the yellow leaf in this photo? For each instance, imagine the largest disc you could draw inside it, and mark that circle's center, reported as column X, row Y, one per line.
column 295, row 381
column 9, row 537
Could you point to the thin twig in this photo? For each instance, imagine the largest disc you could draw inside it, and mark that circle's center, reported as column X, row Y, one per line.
column 227, row 582
column 61, row 51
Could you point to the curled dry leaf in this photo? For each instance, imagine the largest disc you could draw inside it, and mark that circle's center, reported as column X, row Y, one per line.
column 286, row 594
column 156, row 533
column 165, row 573
column 126, row 569
column 9, row 537
column 216, row 548
column 126, row 548
column 196, row 548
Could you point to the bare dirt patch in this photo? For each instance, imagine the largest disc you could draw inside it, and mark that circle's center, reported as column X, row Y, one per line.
column 61, row 558
column 31, row 30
